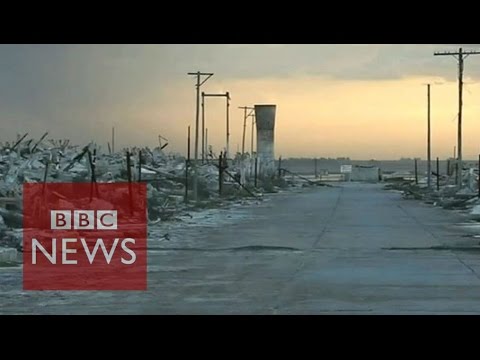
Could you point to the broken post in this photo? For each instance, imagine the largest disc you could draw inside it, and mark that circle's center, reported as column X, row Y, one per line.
column 45, row 177
column 256, row 171
column 241, row 185
column 187, row 163
column 438, row 174
column 456, row 172
column 280, row 167
column 93, row 179
column 19, row 141
column 39, row 141
column 129, row 177
column 76, row 158
column 139, row 165
column 220, row 171
column 416, row 172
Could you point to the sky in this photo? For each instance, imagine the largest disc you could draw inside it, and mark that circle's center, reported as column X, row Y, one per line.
column 362, row 101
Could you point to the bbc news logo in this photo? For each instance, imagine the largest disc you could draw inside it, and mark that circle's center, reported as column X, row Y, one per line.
column 83, row 219
column 76, row 241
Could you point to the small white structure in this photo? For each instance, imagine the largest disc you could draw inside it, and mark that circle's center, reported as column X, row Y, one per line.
column 365, row 173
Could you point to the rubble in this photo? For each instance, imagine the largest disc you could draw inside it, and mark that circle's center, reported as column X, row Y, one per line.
column 46, row 160
column 448, row 195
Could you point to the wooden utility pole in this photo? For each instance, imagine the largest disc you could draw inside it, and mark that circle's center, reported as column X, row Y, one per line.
column 244, row 127
column 460, row 56
column 199, row 83
column 429, row 144
column 203, row 128
column 245, row 117
column 227, row 152
column 227, row 96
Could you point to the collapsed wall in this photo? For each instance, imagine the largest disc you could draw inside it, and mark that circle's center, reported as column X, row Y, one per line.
column 265, row 123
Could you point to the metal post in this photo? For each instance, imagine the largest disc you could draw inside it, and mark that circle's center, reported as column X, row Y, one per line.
column 113, row 139
column 316, row 172
column 280, row 167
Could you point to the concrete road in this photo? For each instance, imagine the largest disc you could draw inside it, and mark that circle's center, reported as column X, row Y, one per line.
column 355, row 249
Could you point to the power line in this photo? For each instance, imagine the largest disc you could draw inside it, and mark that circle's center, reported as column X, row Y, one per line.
column 245, row 116
column 460, row 56
column 199, row 83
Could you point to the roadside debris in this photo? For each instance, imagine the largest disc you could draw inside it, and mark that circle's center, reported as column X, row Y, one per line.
column 169, row 184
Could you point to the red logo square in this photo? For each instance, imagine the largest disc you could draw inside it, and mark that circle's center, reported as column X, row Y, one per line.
column 85, row 236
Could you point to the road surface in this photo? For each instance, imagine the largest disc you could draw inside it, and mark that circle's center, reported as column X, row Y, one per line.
column 351, row 249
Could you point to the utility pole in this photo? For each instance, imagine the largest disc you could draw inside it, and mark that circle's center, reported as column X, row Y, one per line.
column 227, row 152
column 199, row 83
column 203, row 127
column 227, row 96
column 429, row 144
column 460, row 56
column 245, row 116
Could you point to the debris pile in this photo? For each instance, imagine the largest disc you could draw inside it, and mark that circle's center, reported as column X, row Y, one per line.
column 444, row 193
column 169, row 177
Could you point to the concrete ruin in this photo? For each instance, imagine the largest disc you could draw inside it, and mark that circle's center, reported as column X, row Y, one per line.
column 265, row 120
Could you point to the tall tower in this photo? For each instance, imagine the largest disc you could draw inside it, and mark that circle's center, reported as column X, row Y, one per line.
column 265, row 120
